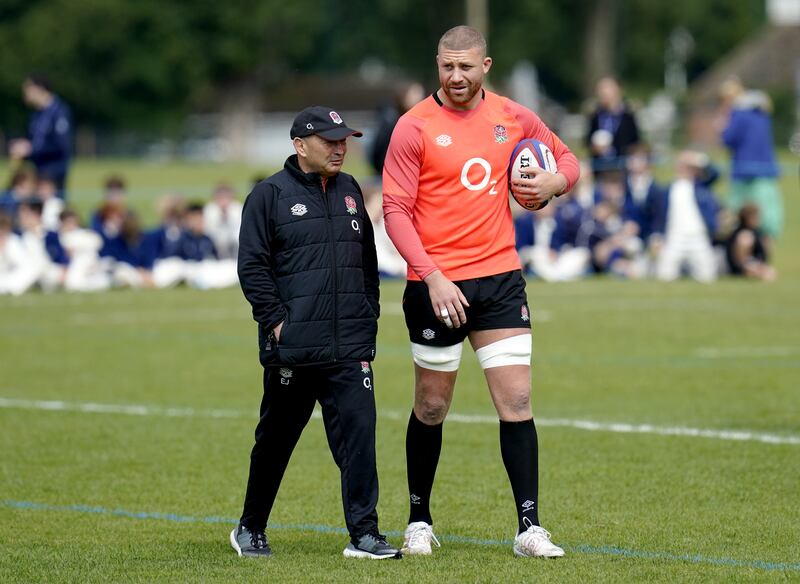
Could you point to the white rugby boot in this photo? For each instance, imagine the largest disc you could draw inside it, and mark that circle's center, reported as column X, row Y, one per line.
column 418, row 538
column 535, row 542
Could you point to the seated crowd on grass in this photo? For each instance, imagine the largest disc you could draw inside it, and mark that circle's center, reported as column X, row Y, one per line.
column 619, row 222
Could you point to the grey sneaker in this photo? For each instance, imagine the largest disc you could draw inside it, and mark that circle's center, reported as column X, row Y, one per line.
column 253, row 544
column 373, row 546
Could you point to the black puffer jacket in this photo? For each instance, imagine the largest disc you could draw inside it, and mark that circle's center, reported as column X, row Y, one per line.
column 307, row 258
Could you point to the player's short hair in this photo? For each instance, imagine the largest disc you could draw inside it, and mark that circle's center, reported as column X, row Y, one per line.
column 462, row 38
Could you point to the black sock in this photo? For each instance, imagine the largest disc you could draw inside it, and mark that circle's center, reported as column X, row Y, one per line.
column 520, row 450
column 423, row 445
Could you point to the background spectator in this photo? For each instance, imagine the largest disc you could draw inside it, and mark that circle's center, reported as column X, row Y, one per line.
column 52, row 206
column 612, row 127
column 685, row 220
column 115, row 191
column 754, row 167
column 641, row 186
column 49, row 143
column 542, row 242
column 746, row 249
column 85, row 272
column 45, row 260
column 22, row 186
column 222, row 217
column 13, row 260
column 390, row 263
column 407, row 96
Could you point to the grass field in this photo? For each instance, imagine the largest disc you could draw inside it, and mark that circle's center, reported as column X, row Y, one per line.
column 669, row 426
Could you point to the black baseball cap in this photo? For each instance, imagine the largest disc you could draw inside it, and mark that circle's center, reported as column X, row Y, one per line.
column 322, row 121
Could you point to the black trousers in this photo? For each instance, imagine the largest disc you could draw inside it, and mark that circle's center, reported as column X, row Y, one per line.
column 345, row 392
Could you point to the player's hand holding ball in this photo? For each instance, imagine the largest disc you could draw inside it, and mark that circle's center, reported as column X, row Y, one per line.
column 533, row 175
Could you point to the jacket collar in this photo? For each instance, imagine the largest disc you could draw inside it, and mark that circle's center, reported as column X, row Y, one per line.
column 308, row 178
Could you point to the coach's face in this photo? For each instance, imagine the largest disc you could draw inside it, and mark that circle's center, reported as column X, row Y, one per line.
column 316, row 154
column 461, row 75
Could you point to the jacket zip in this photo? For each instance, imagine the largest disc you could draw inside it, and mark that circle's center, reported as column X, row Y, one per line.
column 332, row 246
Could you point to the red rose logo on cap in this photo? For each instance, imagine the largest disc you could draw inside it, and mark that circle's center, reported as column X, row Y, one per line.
column 335, row 117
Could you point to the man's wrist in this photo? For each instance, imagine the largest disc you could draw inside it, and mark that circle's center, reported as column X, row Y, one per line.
column 434, row 275
column 563, row 189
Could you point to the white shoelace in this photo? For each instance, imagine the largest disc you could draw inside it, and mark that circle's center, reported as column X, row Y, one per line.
column 418, row 533
column 534, row 534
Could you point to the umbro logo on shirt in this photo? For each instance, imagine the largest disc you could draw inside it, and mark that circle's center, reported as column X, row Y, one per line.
column 444, row 140
column 299, row 210
column 428, row 334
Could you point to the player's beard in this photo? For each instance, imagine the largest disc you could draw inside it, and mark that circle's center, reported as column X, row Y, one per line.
column 471, row 90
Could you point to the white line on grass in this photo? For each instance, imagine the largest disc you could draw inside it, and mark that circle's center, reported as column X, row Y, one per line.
column 745, row 352
column 207, row 314
column 147, row 316
column 588, row 425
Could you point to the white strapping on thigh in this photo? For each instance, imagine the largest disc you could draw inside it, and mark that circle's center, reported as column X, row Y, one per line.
column 514, row 350
column 437, row 358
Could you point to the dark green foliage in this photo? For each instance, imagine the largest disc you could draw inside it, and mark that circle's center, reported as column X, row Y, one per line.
column 129, row 64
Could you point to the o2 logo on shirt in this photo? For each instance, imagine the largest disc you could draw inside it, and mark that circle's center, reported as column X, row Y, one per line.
column 484, row 182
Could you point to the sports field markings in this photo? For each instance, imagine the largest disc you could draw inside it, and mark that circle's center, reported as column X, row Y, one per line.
column 124, row 317
column 587, row 425
column 575, row 548
column 148, row 316
column 745, row 352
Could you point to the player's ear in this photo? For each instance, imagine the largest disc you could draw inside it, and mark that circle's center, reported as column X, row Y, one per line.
column 487, row 64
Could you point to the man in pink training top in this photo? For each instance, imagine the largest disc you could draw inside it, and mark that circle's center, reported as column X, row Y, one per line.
column 447, row 211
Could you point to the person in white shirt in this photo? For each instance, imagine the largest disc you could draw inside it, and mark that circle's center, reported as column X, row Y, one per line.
column 222, row 217
column 85, row 273
column 390, row 263
column 25, row 259
column 684, row 222
column 47, row 192
column 12, row 258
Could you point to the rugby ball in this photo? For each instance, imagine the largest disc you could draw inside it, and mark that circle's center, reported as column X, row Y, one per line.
column 527, row 154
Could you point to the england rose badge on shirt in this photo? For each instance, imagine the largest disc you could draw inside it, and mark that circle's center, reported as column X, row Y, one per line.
column 350, row 203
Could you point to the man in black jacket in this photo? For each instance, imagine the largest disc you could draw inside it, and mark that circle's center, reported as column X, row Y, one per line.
column 307, row 265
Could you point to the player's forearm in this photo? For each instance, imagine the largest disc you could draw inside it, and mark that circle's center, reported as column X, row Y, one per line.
column 569, row 167
column 400, row 230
